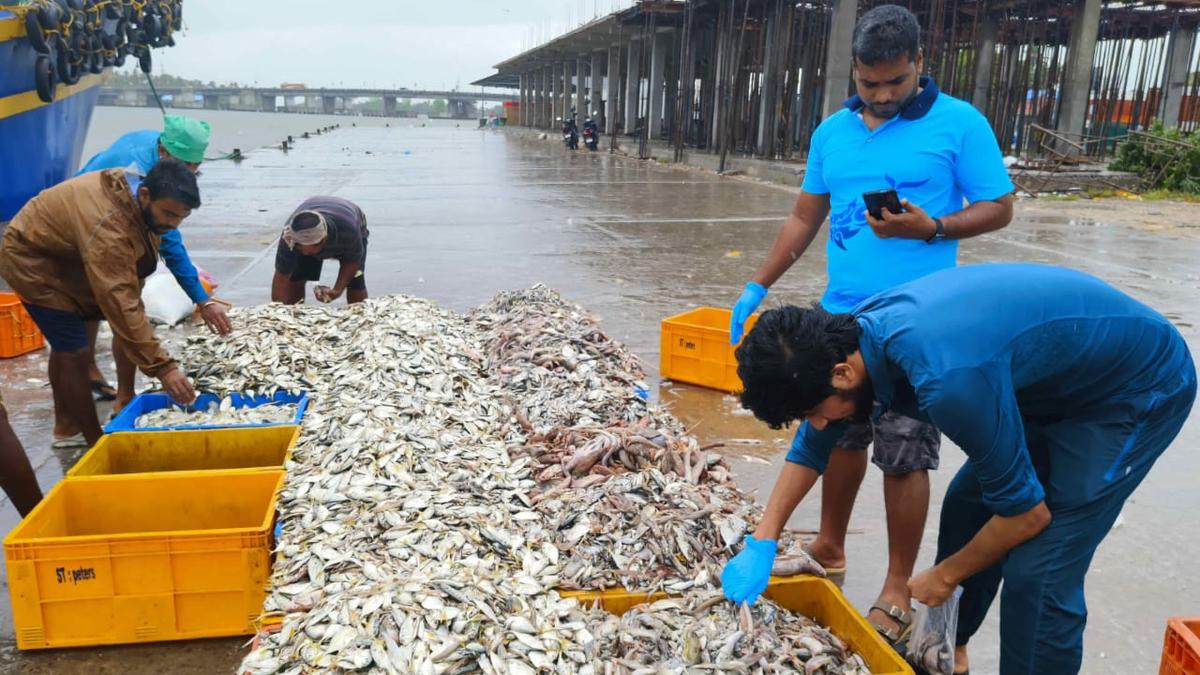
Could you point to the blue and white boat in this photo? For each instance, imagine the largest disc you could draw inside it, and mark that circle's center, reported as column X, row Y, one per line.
column 49, row 82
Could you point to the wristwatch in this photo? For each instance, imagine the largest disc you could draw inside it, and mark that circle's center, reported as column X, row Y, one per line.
column 939, row 234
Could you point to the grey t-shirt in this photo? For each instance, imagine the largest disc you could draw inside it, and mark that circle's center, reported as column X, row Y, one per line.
column 347, row 239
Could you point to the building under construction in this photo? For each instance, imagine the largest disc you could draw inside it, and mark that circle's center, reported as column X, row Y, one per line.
column 755, row 77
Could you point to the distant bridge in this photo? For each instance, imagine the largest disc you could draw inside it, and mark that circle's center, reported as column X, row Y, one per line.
column 267, row 99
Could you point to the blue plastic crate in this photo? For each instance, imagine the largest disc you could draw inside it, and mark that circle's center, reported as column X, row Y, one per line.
column 144, row 403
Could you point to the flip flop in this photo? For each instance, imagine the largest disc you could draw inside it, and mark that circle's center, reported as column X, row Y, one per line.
column 829, row 571
column 76, row 441
column 103, row 391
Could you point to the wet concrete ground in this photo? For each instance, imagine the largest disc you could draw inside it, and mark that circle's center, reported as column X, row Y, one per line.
column 457, row 214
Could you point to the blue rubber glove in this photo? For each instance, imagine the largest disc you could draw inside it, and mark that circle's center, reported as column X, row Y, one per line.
column 751, row 298
column 745, row 576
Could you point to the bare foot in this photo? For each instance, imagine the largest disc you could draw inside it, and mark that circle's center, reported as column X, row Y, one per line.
column 120, row 403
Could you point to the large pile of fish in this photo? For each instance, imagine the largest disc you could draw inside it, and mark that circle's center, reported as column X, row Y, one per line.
column 631, row 500
column 439, row 495
column 217, row 414
column 704, row 632
column 558, row 366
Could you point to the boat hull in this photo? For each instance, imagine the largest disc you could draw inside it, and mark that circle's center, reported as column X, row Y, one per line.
column 40, row 143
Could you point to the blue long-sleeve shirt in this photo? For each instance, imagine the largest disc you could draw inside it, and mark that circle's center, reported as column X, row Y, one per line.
column 978, row 350
column 137, row 151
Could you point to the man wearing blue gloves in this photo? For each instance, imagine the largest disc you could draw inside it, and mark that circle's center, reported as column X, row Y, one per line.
column 935, row 151
column 184, row 139
column 1061, row 390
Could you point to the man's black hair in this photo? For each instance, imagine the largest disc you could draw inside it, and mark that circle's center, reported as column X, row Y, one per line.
column 171, row 179
column 305, row 220
column 786, row 361
column 884, row 34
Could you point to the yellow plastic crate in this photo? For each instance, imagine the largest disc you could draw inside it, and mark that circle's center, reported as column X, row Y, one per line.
column 142, row 558
column 695, row 349
column 258, row 448
column 816, row 598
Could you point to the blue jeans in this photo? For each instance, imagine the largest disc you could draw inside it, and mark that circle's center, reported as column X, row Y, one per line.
column 1089, row 464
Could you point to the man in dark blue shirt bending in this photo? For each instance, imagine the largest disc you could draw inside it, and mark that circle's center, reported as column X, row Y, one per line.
column 1061, row 390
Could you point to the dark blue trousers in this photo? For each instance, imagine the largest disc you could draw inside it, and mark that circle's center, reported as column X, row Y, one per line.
column 1089, row 464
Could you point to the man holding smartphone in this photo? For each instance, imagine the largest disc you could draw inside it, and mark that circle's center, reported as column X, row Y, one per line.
column 935, row 151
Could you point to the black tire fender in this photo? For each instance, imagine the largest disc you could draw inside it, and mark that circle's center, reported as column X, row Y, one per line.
column 49, row 15
column 67, row 70
column 33, row 32
column 43, row 76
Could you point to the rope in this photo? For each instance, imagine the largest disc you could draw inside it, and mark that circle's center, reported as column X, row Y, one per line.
column 157, row 98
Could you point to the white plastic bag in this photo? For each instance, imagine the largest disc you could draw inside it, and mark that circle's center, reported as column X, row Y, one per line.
column 931, row 646
column 165, row 301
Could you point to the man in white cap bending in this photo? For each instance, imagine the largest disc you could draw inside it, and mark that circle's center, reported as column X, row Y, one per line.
column 320, row 229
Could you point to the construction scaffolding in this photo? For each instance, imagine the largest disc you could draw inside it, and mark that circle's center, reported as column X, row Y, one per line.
column 755, row 77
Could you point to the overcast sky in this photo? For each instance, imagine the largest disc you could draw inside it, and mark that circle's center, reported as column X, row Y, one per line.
column 376, row 43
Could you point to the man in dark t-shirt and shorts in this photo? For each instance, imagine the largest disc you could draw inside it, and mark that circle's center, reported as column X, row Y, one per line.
column 320, row 229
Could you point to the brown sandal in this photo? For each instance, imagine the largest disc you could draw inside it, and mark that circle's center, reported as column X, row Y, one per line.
column 894, row 636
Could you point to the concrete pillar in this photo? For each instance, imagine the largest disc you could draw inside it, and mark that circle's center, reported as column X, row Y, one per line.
column 595, row 106
column 673, row 73
column 613, row 83
column 528, row 106
column 523, row 104
column 548, row 91
column 568, row 74
column 389, row 106
column 533, row 117
column 581, row 69
column 1077, row 77
column 1176, row 78
column 633, row 86
column 658, row 82
column 329, row 104
column 985, row 57
column 212, row 101
column 770, row 81
column 543, row 96
column 267, row 102
column 717, row 93
column 539, row 97
column 520, row 102
column 838, row 57
column 556, row 97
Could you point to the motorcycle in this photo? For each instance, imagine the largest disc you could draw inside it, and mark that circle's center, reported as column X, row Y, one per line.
column 570, row 132
column 591, row 134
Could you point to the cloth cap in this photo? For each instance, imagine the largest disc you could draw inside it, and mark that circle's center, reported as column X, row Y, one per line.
column 186, row 138
column 306, row 228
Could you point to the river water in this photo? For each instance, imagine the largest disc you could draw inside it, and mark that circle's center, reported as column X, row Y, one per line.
column 234, row 128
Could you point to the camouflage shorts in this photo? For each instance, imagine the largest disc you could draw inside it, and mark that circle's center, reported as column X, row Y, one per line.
column 901, row 444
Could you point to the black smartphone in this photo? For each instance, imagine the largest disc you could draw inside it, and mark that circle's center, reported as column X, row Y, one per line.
column 877, row 200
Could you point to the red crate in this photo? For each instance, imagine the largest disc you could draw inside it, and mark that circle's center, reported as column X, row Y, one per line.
column 18, row 333
column 1181, row 647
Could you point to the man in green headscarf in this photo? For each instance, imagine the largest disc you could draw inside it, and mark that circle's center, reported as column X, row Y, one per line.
column 184, row 138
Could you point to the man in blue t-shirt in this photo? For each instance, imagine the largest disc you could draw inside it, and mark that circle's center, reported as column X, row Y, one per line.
column 935, row 151
column 1061, row 391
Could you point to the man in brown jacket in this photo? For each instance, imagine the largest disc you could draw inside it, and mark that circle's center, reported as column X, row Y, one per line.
column 79, row 251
